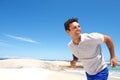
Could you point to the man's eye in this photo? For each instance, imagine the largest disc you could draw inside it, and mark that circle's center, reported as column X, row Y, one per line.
column 74, row 28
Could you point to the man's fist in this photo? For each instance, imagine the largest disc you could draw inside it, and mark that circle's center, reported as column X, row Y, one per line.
column 73, row 64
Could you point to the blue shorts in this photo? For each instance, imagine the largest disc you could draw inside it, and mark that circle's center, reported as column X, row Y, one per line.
column 102, row 75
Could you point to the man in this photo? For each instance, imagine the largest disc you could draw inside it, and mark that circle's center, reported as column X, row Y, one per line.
column 87, row 48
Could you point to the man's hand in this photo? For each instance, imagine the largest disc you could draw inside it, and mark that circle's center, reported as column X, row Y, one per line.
column 73, row 64
column 113, row 62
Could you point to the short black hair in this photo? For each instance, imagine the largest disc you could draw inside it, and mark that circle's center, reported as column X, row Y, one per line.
column 68, row 22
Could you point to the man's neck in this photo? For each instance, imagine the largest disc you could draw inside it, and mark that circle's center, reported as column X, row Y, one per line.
column 76, row 40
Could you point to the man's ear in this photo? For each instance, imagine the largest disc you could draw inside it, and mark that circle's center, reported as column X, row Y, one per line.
column 67, row 31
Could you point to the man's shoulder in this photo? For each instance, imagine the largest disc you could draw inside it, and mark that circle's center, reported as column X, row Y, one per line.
column 91, row 34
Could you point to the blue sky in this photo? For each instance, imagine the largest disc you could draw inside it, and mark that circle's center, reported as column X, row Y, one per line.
column 34, row 28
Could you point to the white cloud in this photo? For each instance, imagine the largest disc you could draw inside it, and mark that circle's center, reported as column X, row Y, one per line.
column 22, row 38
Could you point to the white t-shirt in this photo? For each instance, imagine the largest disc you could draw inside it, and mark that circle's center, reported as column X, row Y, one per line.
column 89, row 52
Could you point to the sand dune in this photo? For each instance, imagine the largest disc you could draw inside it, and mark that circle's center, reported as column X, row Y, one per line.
column 36, row 74
column 33, row 69
column 30, row 69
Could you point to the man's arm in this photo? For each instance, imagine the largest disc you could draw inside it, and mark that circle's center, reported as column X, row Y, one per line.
column 109, row 43
column 73, row 62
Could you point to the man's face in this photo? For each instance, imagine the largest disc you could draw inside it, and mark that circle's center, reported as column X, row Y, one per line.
column 74, row 29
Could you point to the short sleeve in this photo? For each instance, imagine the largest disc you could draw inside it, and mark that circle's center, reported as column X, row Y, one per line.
column 98, row 37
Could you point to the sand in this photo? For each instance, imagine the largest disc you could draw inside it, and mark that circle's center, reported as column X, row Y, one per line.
column 36, row 74
column 30, row 69
column 33, row 69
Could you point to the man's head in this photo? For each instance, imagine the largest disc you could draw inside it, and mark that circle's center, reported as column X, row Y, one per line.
column 72, row 27
column 68, row 22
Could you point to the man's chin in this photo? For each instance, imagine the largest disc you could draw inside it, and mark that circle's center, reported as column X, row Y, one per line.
column 77, row 34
